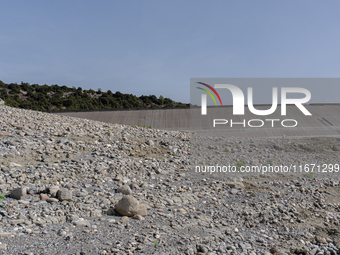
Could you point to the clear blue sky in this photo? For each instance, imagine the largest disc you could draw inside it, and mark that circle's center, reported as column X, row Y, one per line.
column 155, row 47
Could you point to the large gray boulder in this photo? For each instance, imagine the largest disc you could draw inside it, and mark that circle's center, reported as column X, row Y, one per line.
column 130, row 206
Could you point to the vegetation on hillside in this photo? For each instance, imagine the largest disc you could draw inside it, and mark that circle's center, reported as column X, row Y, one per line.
column 63, row 98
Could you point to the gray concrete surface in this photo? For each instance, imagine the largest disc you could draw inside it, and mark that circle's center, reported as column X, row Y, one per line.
column 167, row 119
column 325, row 120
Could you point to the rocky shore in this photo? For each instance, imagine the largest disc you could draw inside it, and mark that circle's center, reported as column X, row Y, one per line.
column 75, row 186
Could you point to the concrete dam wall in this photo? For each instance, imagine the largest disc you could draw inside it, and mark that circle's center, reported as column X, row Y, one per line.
column 167, row 119
column 325, row 120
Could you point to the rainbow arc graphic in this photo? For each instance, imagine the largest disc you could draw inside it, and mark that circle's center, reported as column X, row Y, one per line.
column 209, row 93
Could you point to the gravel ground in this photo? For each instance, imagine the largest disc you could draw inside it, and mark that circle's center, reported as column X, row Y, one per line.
column 63, row 178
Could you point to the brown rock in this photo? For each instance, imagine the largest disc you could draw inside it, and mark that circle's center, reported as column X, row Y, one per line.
column 273, row 250
column 125, row 218
column 130, row 206
column 321, row 239
column 52, row 200
column 181, row 210
column 138, row 217
column 43, row 197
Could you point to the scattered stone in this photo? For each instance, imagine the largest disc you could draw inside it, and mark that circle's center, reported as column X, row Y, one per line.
column 125, row 218
column 81, row 222
column 15, row 222
column 138, row 217
column 134, row 186
column 43, row 196
column 25, row 202
column 150, row 142
column 96, row 213
column 62, row 232
column 53, row 190
column 5, row 235
column 35, row 199
column 18, row 193
column 274, row 250
column 125, row 189
column 277, row 147
column 234, row 191
column 202, row 248
column 181, row 210
column 228, row 149
column 235, row 184
column 64, row 194
column 118, row 177
column 5, row 134
column 13, row 164
column 52, row 200
column 28, row 231
column 321, row 239
column 335, row 148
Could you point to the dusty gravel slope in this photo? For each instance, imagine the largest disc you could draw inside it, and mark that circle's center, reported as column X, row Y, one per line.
column 63, row 176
